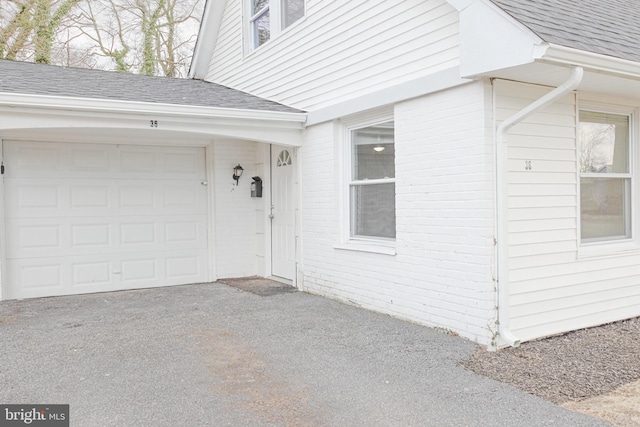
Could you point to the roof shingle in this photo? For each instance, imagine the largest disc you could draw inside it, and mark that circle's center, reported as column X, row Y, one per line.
column 607, row 27
column 39, row 79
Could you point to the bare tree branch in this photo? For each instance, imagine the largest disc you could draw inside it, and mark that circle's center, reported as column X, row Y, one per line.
column 145, row 36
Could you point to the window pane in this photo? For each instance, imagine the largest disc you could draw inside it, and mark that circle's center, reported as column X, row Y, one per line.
column 292, row 10
column 603, row 143
column 373, row 210
column 262, row 29
column 604, row 207
column 373, row 152
column 258, row 5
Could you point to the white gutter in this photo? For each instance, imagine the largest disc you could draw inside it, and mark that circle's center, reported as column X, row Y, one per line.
column 502, row 282
column 95, row 105
column 566, row 56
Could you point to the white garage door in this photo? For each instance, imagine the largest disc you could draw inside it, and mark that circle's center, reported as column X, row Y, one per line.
column 83, row 218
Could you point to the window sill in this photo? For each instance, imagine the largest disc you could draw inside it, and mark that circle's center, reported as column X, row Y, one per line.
column 608, row 249
column 377, row 247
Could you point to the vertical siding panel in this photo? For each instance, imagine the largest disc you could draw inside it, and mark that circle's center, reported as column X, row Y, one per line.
column 236, row 230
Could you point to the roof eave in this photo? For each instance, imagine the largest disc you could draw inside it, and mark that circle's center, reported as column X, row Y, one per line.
column 206, row 41
column 562, row 55
column 115, row 106
column 258, row 125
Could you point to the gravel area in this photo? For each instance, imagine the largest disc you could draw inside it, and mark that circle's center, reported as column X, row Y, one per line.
column 570, row 367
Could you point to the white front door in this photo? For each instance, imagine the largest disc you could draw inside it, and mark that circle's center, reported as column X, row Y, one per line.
column 283, row 213
column 83, row 218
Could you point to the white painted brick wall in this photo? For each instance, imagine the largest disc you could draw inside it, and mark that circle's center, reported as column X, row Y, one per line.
column 236, row 229
column 442, row 273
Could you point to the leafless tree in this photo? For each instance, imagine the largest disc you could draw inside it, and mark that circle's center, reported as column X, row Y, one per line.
column 594, row 142
column 144, row 36
column 28, row 28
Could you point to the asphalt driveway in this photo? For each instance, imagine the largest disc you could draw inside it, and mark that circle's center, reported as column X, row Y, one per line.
column 217, row 355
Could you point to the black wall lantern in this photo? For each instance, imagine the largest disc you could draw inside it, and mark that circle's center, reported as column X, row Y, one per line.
column 237, row 173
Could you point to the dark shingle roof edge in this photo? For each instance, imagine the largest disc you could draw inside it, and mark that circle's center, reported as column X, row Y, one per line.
column 606, row 27
column 49, row 80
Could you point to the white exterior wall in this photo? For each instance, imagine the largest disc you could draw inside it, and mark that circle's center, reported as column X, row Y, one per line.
column 441, row 275
column 237, row 232
column 339, row 51
column 555, row 286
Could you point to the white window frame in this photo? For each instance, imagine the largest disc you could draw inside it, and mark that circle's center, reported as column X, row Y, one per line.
column 348, row 241
column 605, row 245
column 253, row 17
column 275, row 10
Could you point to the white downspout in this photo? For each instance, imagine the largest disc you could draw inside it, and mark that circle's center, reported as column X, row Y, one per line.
column 502, row 282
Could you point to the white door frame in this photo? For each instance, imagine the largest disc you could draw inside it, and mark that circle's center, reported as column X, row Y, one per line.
column 269, row 152
column 3, row 248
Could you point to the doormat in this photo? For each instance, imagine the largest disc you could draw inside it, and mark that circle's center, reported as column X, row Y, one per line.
column 259, row 286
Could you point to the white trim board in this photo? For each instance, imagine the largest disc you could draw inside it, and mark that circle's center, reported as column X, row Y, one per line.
column 422, row 86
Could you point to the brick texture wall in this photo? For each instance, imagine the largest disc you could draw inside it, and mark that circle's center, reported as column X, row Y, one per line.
column 441, row 275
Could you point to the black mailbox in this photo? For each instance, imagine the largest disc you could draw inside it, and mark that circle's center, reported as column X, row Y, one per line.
column 256, row 187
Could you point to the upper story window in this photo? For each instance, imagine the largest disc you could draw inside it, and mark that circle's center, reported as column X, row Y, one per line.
column 372, row 182
column 270, row 17
column 604, row 159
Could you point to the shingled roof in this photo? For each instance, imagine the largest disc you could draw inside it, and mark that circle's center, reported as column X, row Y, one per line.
column 39, row 79
column 607, row 27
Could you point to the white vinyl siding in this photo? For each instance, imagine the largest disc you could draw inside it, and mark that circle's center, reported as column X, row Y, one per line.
column 338, row 51
column 553, row 287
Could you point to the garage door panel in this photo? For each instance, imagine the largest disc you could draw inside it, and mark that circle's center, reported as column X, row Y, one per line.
column 161, row 162
column 40, row 276
column 45, row 236
column 91, row 158
column 74, row 236
column 175, row 267
column 178, row 267
column 105, row 217
column 34, row 160
column 99, row 161
column 36, row 278
column 184, row 164
column 90, row 196
column 44, row 159
column 97, row 273
column 91, row 235
column 137, row 196
column 92, row 273
column 142, row 269
column 36, row 197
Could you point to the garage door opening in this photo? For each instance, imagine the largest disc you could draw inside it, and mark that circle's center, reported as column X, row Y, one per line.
column 83, row 218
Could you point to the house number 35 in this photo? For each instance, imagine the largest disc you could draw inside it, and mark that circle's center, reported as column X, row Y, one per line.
column 154, row 123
